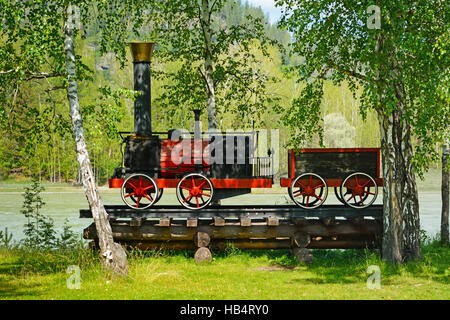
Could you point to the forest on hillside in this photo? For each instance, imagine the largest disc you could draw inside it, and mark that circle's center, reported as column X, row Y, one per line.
column 35, row 131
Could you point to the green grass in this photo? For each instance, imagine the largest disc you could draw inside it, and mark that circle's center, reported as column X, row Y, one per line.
column 232, row 274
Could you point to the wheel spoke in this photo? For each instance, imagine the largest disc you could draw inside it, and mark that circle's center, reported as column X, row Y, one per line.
column 365, row 184
column 301, row 185
column 350, row 198
column 149, row 198
column 356, row 179
column 201, row 184
column 193, row 181
column 185, row 188
column 318, row 197
column 130, row 194
column 301, row 194
column 187, row 198
column 369, row 193
column 149, row 187
column 321, row 185
column 137, row 202
column 362, row 203
column 205, row 194
column 196, row 199
column 307, row 200
column 132, row 185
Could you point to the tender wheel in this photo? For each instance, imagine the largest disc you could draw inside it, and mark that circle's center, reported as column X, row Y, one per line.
column 312, row 189
column 160, row 193
column 362, row 190
column 337, row 192
column 139, row 191
column 195, row 191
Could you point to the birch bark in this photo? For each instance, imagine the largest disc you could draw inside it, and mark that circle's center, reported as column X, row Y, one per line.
column 208, row 64
column 445, row 191
column 113, row 255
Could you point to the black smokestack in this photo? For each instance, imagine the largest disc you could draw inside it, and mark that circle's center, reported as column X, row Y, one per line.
column 197, row 132
column 142, row 54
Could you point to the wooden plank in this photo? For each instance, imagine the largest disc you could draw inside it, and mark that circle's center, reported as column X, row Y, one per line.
column 327, row 221
column 219, row 221
column 136, row 222
column 357, row 220
column 245, row 222
column 300, row 221
column 252, row 244
column 202, row 239
column 272, row 221
column 150, row 231
column 192, row 222
column 164, row 222
column 228, row 211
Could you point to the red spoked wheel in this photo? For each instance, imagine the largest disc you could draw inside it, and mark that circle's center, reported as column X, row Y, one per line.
column 139, row 191
column 309, row 191
column 362, row 190
column 195, row 191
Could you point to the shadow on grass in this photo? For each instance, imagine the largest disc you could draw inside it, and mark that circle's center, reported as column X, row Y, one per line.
column 329, row 266
column 20, row 262
column 332, row 266
column 12, row 289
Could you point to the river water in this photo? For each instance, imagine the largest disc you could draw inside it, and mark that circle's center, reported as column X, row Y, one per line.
column 66, row 204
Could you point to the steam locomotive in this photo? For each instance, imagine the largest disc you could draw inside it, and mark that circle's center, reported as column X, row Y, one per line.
column 214, row 165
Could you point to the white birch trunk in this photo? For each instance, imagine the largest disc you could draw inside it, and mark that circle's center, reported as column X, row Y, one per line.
column 208, row 65
column 445, row 191
column 113, row 255
column 392, row 218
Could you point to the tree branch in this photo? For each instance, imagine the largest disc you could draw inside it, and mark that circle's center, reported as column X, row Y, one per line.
column 34, row 75
column 211, row 10
column 54, row 88
column 204, row 78
column 41, row 75
column 9, row 71
column 347, row 72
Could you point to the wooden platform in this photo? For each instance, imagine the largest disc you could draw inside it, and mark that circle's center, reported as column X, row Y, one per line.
column 235, row 211
column 244, row 227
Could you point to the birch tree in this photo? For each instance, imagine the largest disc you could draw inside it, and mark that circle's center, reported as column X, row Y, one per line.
column 445, row 191
column 39, row 45
column 396, row 53
column 114, row 256
column 216, row 60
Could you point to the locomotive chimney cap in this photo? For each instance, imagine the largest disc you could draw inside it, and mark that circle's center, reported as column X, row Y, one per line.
column 142, row 51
